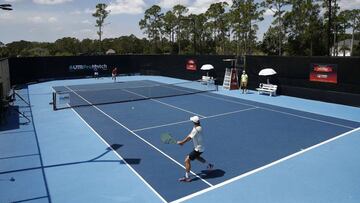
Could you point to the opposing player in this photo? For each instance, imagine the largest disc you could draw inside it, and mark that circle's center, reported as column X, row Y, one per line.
column 114, row 74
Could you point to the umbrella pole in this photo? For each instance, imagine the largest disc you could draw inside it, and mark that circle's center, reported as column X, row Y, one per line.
column 267, row 80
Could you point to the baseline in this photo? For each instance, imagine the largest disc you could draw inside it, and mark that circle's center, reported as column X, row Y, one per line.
column 282, row 112
column 269, row 109
column 263, row 167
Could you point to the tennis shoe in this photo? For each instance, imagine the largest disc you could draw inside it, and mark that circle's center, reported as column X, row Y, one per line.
column 210, row 166
column 184, row 179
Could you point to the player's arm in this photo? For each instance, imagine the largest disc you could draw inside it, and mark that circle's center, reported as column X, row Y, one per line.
column 186, row 139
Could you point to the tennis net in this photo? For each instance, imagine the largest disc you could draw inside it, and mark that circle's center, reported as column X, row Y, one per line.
column 69, row 97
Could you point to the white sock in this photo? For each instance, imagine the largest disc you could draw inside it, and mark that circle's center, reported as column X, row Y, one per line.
column 186, row 175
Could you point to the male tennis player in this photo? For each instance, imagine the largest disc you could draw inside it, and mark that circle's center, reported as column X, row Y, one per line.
column 196, row 136
column 114, row 74
column 96, row 73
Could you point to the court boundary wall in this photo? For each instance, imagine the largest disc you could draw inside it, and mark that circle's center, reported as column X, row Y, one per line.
column 292, row 75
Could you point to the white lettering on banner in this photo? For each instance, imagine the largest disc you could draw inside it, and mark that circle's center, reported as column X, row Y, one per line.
column 321, row 76
column 88, row 67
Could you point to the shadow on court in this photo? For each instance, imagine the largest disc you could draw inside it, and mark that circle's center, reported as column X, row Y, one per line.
column 248, row 92
column 9, row 119
column 130, row 161
column 114, row 147
column 210, row 174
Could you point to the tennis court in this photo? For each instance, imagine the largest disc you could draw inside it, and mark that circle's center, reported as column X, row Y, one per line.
column 244, row 138
column 241, row 136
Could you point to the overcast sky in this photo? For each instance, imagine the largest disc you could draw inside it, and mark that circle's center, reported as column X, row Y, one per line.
column 49, row 20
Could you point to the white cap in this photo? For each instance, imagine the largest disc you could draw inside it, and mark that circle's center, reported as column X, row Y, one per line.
column 195, row 119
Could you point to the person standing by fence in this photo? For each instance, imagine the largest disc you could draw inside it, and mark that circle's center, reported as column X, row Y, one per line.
column 243, row 82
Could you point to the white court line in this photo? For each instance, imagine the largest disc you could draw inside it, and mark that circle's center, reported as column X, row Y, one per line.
column 295, row 115
column 263, row 167
column 291, row 114
column 228, row 113
column 227, row 100
column 132, row 132
column 175, row 123
column 121, row 158
column 175, row 107
column 266, row 166
column 205, row 95
column 313, row 119
column 118, row 155
column 159, row 126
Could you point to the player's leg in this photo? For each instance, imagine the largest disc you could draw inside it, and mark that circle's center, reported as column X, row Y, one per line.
column 187, row 164
column 202, row 160
column 191, row 157
column 187, row 178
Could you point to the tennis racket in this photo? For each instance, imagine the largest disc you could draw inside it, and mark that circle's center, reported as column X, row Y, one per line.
column 166, row 138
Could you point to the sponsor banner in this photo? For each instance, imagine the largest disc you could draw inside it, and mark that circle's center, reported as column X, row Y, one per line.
column 323, row 73
column 191, row 65
column 93, row 67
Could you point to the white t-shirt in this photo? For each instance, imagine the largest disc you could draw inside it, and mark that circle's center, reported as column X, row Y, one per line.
column 196, row 137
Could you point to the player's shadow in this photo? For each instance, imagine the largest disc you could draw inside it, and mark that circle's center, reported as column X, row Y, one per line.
column 129, row 161
column 114, row 147
column 209, row 174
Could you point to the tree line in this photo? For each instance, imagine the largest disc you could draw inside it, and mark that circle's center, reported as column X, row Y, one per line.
column 299, row 28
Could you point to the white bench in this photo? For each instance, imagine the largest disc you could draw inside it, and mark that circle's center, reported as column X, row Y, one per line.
column 267, row 88
column 207, row 80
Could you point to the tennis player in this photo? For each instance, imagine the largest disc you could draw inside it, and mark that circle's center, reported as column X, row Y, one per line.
column 196, row 136
column 96, row 73
column 114, row 74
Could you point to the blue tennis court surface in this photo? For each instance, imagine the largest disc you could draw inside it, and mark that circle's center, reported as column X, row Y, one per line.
column 246, row 138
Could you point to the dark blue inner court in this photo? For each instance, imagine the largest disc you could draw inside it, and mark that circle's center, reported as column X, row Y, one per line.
column 240, row 135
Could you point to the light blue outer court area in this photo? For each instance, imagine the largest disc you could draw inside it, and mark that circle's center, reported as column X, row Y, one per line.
column 60, row 158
